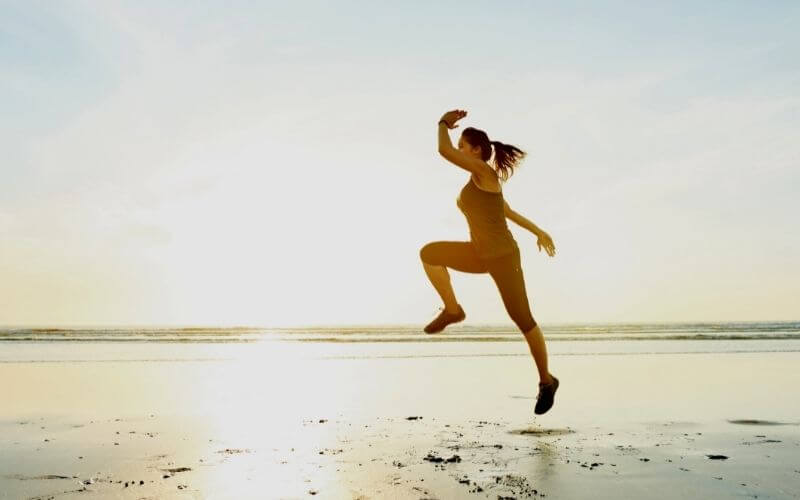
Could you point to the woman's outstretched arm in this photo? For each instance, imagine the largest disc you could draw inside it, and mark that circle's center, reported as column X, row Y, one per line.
column 543, row 238
column 520, row 220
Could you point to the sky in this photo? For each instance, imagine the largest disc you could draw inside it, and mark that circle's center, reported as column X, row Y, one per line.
column 276, row 164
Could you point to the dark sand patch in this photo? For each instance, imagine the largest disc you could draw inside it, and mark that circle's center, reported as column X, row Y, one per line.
column 33, row 478
column 760, row 422
column 675, row 423
column 234, row 451
column 762, row 441
column 541, row 432
column 177, row 469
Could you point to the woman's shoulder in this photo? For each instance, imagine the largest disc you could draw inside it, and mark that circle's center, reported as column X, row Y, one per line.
column 488, row 181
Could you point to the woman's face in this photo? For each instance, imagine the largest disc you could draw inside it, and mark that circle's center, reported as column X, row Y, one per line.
column 467, row 148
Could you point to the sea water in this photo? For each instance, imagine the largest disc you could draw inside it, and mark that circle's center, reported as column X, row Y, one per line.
column 208, row 343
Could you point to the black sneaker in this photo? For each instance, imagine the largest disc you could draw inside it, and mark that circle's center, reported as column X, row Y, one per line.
column 546, row 394
column 443, row 319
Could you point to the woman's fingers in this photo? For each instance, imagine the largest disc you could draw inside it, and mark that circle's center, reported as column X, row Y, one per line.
column 458, row 113
column 549, row 246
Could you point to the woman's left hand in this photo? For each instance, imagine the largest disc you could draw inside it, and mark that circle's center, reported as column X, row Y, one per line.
column 451, row 117
column 544, row 240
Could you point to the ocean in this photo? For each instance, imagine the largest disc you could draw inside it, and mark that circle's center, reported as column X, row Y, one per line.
column 206, row 343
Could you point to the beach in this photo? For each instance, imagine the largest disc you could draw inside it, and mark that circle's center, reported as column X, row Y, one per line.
column 227, row 226
column 274, row 417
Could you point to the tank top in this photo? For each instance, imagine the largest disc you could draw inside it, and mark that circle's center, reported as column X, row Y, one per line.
column 486, row 218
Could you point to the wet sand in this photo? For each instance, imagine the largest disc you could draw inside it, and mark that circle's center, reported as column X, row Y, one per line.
column 626, row 426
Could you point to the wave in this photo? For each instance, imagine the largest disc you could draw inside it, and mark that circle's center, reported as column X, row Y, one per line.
column 783, row 330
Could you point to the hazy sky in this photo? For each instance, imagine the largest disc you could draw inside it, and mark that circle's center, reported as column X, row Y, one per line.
column 257, row 163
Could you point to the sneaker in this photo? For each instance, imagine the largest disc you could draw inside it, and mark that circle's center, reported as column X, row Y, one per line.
column 546, row 394
column 443, row 319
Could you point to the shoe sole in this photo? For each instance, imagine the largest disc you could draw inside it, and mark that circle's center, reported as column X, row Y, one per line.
column 445, row 326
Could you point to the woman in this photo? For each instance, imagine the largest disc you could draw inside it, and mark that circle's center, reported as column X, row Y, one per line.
column 492, row 248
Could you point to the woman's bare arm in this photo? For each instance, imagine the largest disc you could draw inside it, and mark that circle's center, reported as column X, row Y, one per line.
column 543, row 239
column 456, row 157
column 520, row 219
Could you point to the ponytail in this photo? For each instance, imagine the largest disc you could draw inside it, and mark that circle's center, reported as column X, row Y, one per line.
column 506, row 157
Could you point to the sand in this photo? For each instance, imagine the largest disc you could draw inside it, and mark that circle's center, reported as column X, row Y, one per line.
column 276, row 421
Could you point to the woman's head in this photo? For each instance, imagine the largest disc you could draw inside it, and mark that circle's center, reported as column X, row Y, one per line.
column 476, row 143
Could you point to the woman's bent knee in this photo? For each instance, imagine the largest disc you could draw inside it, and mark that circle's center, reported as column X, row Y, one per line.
column 458, row 255
column 426, row 253
column 523, row 318
column 527, row 326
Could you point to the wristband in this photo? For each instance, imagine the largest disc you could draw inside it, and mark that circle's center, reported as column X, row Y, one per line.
column 445, row 123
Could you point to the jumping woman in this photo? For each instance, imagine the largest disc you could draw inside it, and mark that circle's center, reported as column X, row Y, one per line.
column 492, row 248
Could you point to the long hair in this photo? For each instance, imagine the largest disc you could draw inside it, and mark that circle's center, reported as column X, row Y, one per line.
column 506, row 156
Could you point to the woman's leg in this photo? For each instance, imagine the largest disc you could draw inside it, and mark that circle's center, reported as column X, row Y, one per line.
column 437, row 256
column 506, row 271
column 538, row 350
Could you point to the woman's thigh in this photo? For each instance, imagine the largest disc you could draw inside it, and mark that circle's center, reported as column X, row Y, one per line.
column 458, row 255
column 506, row 272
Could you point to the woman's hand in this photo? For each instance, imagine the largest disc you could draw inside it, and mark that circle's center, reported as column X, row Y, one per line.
column 545, row 241
column 451, row 117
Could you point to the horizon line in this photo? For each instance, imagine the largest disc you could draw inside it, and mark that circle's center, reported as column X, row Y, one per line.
column 188, row 326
